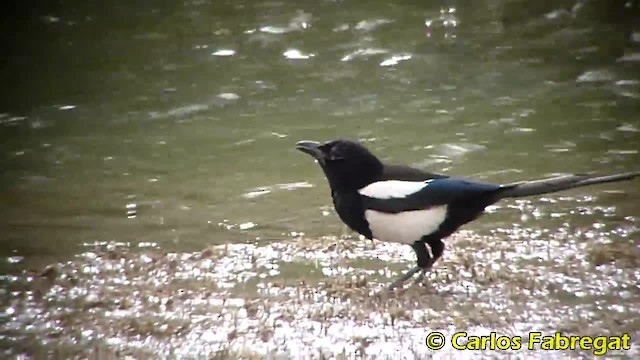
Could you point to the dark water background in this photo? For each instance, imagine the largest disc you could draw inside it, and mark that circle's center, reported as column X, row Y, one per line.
column 173, row 123
column 108, row 104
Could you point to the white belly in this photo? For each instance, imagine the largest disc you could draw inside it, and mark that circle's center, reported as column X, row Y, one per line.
column 405, row 227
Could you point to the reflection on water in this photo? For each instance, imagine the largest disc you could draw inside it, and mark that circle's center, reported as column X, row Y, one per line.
column 171, row 127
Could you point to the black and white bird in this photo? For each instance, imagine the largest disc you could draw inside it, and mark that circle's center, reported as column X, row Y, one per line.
column 402, row 204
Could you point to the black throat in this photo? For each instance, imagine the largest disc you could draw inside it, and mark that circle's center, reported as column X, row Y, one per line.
column 344, row 191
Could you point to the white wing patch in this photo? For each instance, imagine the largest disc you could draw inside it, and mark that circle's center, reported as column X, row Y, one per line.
column 405, row 227
column 392, row 188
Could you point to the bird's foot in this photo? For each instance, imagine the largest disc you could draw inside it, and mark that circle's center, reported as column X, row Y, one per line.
column 406, row 276
column 422, row 274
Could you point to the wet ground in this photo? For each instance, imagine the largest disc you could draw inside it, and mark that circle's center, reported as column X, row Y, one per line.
column 324, row 297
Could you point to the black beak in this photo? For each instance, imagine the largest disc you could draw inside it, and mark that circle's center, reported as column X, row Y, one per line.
column 312, row 148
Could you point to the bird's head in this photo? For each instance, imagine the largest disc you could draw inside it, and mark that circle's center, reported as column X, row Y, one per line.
column 347, row 164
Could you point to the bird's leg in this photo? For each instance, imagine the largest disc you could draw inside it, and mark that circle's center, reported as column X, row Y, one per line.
column 437, row 248
column 424, row 261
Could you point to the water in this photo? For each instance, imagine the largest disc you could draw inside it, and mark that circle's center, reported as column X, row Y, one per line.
column 173, row 125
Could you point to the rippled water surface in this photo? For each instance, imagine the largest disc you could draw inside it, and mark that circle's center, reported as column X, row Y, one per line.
column 153, row 203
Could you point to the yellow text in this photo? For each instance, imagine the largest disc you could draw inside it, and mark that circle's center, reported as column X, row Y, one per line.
column 599, row 345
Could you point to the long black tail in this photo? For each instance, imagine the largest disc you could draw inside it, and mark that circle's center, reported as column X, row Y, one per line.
column 544, row 186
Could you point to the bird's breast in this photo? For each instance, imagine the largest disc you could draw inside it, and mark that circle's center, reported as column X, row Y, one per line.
column 350, row 210
column 405, row 227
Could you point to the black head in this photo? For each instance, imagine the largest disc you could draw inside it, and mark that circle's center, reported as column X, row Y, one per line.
column 347, row 164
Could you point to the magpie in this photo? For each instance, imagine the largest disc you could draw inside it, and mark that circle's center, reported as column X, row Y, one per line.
column 397, row 203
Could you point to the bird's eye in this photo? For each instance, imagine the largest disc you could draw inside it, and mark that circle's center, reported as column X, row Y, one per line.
column 336, row 153
column 332, row 151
